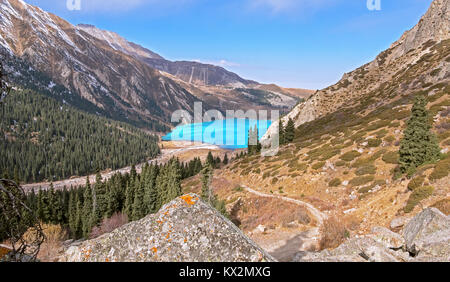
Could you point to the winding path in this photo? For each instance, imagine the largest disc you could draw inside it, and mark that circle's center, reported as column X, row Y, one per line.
column 320, row 216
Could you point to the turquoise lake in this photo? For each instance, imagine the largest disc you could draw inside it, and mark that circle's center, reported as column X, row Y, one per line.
column 228, row 134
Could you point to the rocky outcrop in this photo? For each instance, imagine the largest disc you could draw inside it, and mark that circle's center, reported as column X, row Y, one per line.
column 392, row 69
column 428, row 234
column 185, row 230
column 425, row 238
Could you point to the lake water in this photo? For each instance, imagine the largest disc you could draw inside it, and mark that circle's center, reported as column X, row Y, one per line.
column 228, row 134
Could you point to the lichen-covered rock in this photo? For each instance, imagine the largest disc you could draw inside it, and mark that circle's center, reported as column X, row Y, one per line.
column 399, row 222
column 428, row 234
column 185, row 230
column 388, row 238
column 364, row 249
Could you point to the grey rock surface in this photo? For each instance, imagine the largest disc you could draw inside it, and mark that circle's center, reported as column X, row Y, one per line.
column 185, row 230
column 428, row 234
column 426, row 238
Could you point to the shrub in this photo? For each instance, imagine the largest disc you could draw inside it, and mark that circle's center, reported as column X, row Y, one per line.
column 365, row 170
column 389, row 139
column 361, row 180
column 416, row 182
column 318, row 165
column 335, row 182
column 238, row 189
column 417, row 196
column 341, row 163
column 109, row 224
column 381, row 133
column 362, row 162
column 391, row 158
column 372, row 143
column 274, row 180
column 329, row 154
column 333, row 232
column 350, row 156
column 441, row 170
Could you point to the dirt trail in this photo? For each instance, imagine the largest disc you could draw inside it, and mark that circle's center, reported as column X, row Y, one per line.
column 286, row 248
column 166, row 155
column 319, row 216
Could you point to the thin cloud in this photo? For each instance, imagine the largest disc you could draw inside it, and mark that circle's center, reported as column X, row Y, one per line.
column 100, row 6
column 278, row 6
column 220, row 63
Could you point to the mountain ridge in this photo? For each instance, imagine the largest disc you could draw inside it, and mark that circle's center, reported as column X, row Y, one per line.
column 373, row 77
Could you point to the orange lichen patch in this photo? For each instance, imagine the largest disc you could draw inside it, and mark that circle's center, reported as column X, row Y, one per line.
column 189, row 199
column 4, row 252
column 107, row 260
column 154, row 250
column 185, row 240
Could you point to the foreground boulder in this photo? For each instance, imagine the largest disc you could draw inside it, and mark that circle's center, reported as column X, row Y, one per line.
column 185, row 230
column 428, row 235
column 426, row 238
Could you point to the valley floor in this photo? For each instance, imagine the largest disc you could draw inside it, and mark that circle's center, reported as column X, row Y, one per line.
column 185, row 151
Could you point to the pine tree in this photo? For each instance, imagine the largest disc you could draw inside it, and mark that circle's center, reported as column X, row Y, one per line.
column 150, row 190
column 419, row 145
column 207, row 194
column 129, row 199
column 254, row 146
column 139, row 209
column 72, row 215
column 281, row 133
column 78, row 225
column 87, row 210
column 289, row 131
column 225, row 159
column 210, row 159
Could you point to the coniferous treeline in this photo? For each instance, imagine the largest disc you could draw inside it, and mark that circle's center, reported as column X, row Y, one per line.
column 80, row 209
column 42, row 139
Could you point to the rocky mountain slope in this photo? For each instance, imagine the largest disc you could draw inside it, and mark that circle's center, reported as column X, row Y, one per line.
column 212, row 84
column 191, row 72
column 107, row 78
column 185, row 230
column 112, row 76
column 416, row 62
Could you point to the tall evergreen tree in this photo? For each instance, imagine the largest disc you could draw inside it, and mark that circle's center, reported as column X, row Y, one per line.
column 210, row 159
column 207, row 194
column 150, row 190
column 73, row 215
column 129, row 199
column 289, row 131
column 419, row 145
column 139, row 209
column 281, row 132
column 225, row 159
column 87, row 209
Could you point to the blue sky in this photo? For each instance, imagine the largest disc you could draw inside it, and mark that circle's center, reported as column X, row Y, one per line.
column 294, row 43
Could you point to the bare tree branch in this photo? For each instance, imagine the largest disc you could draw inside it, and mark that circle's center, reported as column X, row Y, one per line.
column 16, row 220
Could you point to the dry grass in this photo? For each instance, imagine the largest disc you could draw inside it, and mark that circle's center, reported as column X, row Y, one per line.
column 334, row 233
column 443, row 206
column 270, row 212
column 54, row 237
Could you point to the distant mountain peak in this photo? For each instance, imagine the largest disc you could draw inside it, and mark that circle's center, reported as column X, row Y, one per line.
column 117, row 42
column 434, row 25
